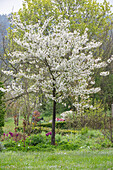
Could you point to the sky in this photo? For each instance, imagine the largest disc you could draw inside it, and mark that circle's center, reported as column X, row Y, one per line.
column 8, row 6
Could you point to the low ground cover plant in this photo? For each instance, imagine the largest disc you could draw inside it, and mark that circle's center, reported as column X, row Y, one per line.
column 84, row 139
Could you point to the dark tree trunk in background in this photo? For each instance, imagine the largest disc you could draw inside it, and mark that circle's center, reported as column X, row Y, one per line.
column 54, row 117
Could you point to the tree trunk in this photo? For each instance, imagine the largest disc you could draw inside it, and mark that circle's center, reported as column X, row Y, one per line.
column 54, row 117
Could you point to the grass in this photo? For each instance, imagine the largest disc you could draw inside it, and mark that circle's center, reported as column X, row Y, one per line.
column 9, row 124
column 100, row 160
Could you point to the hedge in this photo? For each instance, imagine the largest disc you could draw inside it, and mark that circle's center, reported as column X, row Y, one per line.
column 61, row 125
column 36, row 130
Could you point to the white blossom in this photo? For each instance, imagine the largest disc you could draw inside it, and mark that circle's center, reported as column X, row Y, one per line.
column 104, row 73
column 92, row 82
column 55, row 61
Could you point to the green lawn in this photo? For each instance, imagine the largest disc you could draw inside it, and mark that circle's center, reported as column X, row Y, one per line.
column 100, row 160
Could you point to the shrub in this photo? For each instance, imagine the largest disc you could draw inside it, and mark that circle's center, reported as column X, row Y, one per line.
column 9, row 143
column 37, row 139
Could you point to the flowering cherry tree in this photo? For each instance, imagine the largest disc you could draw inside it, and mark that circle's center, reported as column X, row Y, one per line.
column 56, row 60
